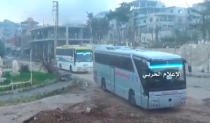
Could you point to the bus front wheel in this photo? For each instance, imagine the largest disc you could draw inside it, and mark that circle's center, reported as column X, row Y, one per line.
column 131, row 98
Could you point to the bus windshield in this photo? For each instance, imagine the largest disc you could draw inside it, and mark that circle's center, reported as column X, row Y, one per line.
column 83, row 56
column 160, row 77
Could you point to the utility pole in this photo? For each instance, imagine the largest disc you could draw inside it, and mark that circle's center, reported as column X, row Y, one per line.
column 56, row 12
column 31, row 67
column 205, row 38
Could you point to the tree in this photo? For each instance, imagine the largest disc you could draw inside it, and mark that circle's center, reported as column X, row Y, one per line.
column 99, row 27
column 181, row 36
column 195, row 35
column 157, row 30
column 122, row 16
column 2, row 49
column 130, row 34
column 204, row 11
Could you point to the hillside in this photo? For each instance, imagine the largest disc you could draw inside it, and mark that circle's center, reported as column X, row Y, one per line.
column 8, row 29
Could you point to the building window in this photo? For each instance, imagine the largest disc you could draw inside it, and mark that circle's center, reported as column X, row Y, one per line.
column 180, row 11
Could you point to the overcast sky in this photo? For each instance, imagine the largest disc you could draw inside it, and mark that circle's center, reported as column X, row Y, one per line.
column 71, row 11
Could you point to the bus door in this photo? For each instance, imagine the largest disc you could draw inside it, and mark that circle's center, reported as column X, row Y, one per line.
column 110, row 72
column 141, row 67
column 112, row 78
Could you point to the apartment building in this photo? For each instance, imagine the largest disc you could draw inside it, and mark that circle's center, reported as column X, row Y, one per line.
column 155, row 21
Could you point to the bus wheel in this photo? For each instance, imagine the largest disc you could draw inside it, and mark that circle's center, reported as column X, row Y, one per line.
column 103, row 84
column 131, row 98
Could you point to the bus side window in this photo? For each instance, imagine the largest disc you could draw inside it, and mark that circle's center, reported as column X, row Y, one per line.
column 99, row 58
column 59, row 52
column 123, row 63
column 69, row 52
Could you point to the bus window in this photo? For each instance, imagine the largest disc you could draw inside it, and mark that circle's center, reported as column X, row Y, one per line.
column 98, row 58
column 64, row 52
column 120, row 62
column 124, row 63
column 83, row 56
column 161, row 76
column 170, row 77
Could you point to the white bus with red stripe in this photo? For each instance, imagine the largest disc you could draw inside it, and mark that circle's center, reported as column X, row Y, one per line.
column 147, row 79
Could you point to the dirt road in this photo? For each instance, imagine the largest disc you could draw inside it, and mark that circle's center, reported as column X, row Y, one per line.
column 20, row 112
column 107, row 108
column 92, row 105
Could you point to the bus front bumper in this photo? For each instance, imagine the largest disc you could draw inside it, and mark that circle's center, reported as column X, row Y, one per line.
column 166, row 99
column 80, row 69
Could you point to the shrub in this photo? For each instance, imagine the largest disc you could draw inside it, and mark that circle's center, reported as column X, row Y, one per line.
column 2, row 48
column 24, row 68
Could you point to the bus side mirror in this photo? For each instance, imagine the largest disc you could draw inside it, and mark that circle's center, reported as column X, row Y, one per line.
column 185, row 61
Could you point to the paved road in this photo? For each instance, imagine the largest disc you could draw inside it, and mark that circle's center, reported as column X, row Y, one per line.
column 19, row 113
column 198, row 88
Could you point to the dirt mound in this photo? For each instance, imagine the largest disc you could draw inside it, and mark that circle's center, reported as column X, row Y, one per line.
column 84, row 113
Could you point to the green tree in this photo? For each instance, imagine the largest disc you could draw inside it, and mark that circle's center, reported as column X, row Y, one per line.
column 157, row 31
column 122, row 16
column 204, row 11
column 99, row 27
column 2, row 48
column 181, row 37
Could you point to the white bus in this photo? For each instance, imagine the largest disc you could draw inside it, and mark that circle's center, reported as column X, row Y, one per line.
column 147, row 79
column 74, row 58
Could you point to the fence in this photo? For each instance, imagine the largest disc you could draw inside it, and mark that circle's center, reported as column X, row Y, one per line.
column 14, row 84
